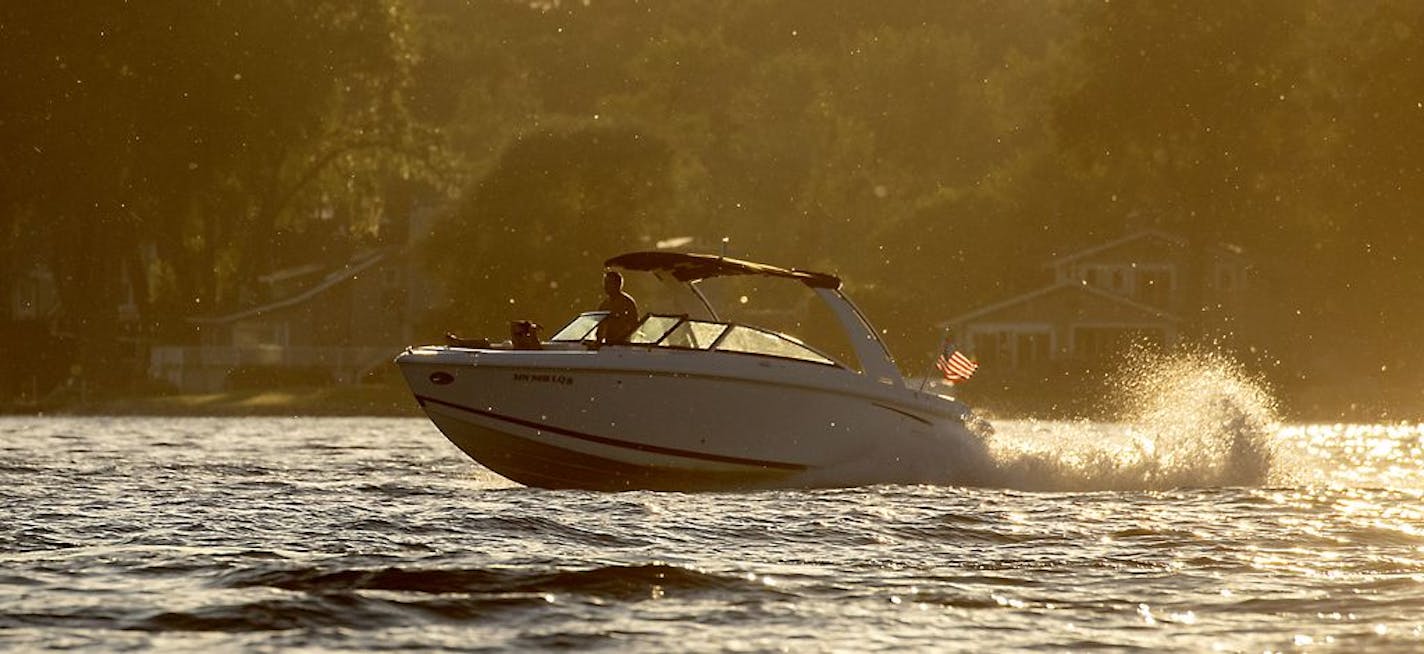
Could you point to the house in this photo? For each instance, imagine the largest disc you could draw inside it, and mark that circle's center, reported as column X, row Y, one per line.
column 1148, row 287
column 321, row 326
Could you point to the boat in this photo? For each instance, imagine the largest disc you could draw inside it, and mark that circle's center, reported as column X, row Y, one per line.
column 690, row 402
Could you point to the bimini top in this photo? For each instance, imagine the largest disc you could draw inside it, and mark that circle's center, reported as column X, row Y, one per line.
column 686, row 267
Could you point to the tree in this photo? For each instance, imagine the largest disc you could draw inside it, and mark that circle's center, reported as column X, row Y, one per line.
column 528, row 240
column 1286, row 127
column 162, row 145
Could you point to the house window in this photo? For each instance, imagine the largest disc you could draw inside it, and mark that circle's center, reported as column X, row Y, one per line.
column 986, row 348
column 1031, row 348
column 1114, row 279
column 1155, row 285
column 1012, row 346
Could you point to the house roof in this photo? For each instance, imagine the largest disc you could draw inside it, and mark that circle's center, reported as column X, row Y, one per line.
column 1227, row 249
column 1103, row 247
column 347, row 272
column 1064, row 286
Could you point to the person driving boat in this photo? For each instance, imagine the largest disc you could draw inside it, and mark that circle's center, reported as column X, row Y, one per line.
column 622, row 310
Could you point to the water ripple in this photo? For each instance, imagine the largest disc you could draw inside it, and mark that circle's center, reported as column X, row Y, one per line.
column 342, row 534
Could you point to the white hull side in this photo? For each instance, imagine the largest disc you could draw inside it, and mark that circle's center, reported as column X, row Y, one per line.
column 641, row 418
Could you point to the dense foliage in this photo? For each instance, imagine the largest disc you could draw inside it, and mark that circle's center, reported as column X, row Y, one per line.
column 932, row 153
column 188, row 148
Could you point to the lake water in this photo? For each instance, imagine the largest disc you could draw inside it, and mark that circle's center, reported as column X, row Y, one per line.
column 1195, row 521
column 358, row 533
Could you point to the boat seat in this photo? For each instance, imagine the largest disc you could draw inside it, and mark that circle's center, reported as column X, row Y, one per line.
column 457, row 341
column 524, row 335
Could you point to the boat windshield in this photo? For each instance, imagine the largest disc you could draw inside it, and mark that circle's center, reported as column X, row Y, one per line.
column 750, row 340
column 580, row 328
column 694, row 334
column 678, row 332
column 653, row 329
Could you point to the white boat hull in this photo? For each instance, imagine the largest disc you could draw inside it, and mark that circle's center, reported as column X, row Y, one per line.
column 625, row 418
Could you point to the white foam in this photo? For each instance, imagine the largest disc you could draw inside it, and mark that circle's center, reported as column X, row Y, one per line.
column 1191, row 419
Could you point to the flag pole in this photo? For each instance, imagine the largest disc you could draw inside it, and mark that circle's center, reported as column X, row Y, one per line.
column 940, row 351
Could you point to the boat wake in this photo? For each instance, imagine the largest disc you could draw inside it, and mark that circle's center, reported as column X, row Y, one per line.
column 1192, row 419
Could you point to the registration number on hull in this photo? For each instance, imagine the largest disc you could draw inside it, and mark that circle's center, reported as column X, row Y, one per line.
column 562, row 380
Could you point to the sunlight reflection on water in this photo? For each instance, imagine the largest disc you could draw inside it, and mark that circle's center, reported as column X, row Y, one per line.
column 1359, row 456
column 340, row 534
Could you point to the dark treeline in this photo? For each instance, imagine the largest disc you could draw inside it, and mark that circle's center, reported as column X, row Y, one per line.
column 179, row 150
column 934, row 154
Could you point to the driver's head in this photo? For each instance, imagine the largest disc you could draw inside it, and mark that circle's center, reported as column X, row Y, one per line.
column 612, row 282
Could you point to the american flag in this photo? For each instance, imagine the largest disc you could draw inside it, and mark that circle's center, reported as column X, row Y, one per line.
column 953, row 364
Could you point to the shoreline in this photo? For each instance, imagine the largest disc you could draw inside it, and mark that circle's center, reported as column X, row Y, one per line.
column 366, row 400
